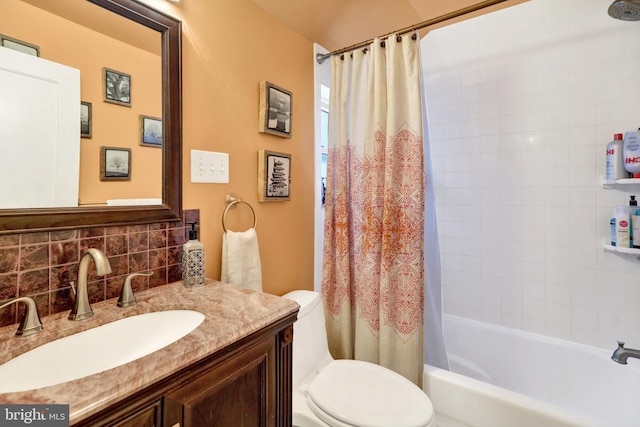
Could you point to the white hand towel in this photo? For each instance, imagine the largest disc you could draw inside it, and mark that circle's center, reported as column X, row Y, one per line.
column 241, row 259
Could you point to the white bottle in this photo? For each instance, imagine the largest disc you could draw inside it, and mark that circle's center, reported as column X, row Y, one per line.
column 621, row 214
column 615, row 160
column 631, row 148
column 193, row 260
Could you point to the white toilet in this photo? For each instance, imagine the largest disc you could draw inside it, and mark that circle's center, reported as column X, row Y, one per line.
column 346, row 393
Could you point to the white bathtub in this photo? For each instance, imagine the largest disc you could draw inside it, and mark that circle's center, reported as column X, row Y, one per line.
column 529, row 380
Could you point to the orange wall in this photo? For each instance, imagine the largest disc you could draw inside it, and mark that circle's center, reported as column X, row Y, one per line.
column 113, row 125
column 228, row 48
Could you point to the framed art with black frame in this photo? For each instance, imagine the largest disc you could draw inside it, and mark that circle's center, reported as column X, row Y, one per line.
column 275, row 110
column 116, row 87
column 85, row 119
column 115, row 164
column 19, row 45
column 274, row 176
column 150, row 131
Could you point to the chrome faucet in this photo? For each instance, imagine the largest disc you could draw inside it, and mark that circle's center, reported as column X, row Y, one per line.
column 621, row 354
column 127, row 298
column 30, row 323
column 81, row 307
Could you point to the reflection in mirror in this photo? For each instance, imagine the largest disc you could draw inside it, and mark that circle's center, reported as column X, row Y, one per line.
column 38, row 138
column 136, row 42
column 63, row 31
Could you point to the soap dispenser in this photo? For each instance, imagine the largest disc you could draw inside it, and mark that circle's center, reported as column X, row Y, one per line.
column 193, row 260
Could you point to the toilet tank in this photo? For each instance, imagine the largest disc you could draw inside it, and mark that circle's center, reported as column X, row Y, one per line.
column 310, row 348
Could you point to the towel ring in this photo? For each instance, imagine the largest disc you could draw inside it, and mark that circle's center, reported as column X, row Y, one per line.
column 232, row 201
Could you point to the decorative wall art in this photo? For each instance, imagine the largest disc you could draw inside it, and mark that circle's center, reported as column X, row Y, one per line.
column 275, row 110
column 115, row 164
column 274, row 176
column 150, row 131
column 19, row 45
column 116, row 87
column 85, row 119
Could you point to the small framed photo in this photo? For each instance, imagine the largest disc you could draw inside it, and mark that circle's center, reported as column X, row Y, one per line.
column 85, row 119
column 115, row 164
column 274, row 176
column 19, row 45
column 116, row 87
column 275, row 110
column 151, row 131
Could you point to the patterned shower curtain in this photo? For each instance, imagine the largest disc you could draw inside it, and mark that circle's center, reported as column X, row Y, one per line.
column 373, row 271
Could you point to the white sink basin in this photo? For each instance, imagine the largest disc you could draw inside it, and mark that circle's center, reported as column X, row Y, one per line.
column 95, row 350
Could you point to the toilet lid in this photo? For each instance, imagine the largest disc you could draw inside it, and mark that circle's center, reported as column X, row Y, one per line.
column 366, row 395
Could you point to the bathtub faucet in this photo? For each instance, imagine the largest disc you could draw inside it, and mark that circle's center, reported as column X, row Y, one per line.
column 622, row 354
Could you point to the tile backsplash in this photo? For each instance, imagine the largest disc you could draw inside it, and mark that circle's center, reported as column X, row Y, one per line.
column 42, row 265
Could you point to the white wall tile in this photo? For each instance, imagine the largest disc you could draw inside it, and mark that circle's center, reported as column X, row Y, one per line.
column 534, row 309
column 587, row 336
column 533, row 325
column 519, row 126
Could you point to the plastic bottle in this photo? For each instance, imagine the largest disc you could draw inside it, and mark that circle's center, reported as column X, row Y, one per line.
column 613, row 231
column 622, row 226
column 635, row 227
column 193, row 260
column 615, row 160
column 633, row 206
column 631, row 149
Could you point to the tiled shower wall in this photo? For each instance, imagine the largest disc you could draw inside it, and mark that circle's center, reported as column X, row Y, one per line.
column 43, row 264
column 521, row 104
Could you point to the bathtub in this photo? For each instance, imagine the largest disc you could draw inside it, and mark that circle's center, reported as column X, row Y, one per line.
column 504, row 377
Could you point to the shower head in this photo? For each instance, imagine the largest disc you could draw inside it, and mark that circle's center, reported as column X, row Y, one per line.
column 626, row 10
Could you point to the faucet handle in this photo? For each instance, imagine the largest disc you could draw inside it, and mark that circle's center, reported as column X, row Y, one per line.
column 620, row 344
column 30, row 323
column 127, row 298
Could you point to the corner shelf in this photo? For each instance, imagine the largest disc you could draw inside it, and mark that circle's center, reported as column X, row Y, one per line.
column 616, row 182
column 606, row 245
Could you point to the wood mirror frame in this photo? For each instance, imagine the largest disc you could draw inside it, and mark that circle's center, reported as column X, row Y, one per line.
column 41, row 219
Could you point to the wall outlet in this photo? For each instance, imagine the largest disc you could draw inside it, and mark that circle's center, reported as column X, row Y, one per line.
column 209, row 167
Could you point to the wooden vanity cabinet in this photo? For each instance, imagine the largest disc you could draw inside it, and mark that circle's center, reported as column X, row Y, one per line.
column 148, row 416
column 236, row 392
column 247, row 384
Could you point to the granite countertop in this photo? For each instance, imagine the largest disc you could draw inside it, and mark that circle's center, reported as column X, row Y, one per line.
column 231, row 313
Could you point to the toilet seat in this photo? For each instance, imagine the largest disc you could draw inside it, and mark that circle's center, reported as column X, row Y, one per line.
column 348, row 393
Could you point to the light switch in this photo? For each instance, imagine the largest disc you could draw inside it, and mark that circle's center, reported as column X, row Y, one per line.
column 209, row 167
column 219, row 168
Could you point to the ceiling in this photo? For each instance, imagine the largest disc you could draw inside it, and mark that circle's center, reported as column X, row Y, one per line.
column 103, row 21
column 335, row 24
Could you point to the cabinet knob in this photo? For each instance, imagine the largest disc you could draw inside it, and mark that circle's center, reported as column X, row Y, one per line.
column 287, row 335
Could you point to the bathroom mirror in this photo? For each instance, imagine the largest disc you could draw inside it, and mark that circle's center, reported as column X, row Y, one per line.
column 169, row 36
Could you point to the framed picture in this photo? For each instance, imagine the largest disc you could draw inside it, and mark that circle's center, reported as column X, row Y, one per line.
column 85, row 119
column 116, row 87
column 275, row 110
column 151, row 131
column 115, row 164
column 274, row 176
column 19, row 45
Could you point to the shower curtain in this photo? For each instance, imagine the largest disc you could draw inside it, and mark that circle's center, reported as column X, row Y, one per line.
column 374, row 270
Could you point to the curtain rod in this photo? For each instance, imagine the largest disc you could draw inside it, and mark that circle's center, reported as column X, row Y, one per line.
column 447, row 16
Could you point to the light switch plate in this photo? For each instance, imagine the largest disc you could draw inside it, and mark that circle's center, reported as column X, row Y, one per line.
column 209, row 167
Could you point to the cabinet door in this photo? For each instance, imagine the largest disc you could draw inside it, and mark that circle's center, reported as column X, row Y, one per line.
column 238, row 392
column 149, row 416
